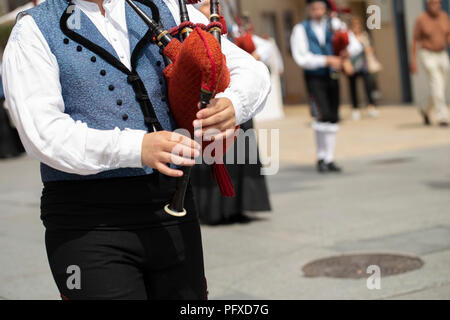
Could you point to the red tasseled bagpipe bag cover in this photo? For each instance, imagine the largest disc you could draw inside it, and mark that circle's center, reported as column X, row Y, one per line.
column 197, row 63
column 340, row 42
column 245, row 42
column 340, row 39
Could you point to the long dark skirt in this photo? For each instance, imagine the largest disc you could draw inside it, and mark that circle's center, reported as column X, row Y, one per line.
column 10, row 145
column 250, row 187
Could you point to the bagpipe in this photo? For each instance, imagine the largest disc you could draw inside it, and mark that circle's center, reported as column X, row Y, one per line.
column 340, row 42
column 245, row 42
column 196, row 71
column 244, row 38
column 341, row 38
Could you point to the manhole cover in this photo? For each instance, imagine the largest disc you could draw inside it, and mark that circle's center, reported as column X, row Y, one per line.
column 392, row 161
column 355, row 266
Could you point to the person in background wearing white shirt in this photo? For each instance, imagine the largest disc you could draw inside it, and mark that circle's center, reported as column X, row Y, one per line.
column 269, row 53
column 359, row 49
column 312, row 49
column 79, row 80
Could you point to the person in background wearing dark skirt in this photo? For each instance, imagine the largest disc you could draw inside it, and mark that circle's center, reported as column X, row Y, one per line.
column 250, row 186
column 312, row 49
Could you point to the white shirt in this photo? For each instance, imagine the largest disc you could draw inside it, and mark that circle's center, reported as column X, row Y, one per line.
column 263, row 49
column 33, row 92
column 269, row 53
column 112, row 26
column 300, row 44
column 355, row 48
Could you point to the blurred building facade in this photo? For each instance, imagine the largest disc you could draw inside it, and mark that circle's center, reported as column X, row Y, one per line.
column 9, row 5
column 391, row 42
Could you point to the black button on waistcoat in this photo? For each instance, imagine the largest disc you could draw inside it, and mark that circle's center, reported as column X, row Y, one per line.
column 125, row 117
column 93, row 59
column 66, row 41
column 158, row 63
column 79, row 48
column 103, row 72
column 119, row 102
column 111, row 88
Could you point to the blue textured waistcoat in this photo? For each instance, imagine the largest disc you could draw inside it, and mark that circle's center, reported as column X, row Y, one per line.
column 316, row 48
column 97, row 88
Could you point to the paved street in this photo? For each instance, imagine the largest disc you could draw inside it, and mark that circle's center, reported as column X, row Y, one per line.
column 394, row 197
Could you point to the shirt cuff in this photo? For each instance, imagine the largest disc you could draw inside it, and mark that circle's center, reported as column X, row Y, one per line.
column 237, row 104
column 130, row 148
column 321, row 62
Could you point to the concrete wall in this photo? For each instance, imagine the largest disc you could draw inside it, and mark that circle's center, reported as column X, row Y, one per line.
column 4, row 6
column 385, row 44
column 17, row 3
column 293, row 78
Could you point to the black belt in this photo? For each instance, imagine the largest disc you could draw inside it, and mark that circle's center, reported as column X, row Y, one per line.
column 123, row 203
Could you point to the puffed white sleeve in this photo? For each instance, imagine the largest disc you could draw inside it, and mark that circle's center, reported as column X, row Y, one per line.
column 301, row 53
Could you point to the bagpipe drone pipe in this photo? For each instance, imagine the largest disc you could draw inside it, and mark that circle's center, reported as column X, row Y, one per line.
column 341, row 38
column 196, row 72
column 244, row 39
column 340, row 42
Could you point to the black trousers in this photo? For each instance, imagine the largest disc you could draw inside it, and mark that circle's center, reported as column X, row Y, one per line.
column 368, row 87
column 111, row 239
column 325, row 97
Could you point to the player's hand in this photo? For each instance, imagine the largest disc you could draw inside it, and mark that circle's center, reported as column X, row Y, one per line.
column 162, row 148
column 334, row 62
column 217, row 121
